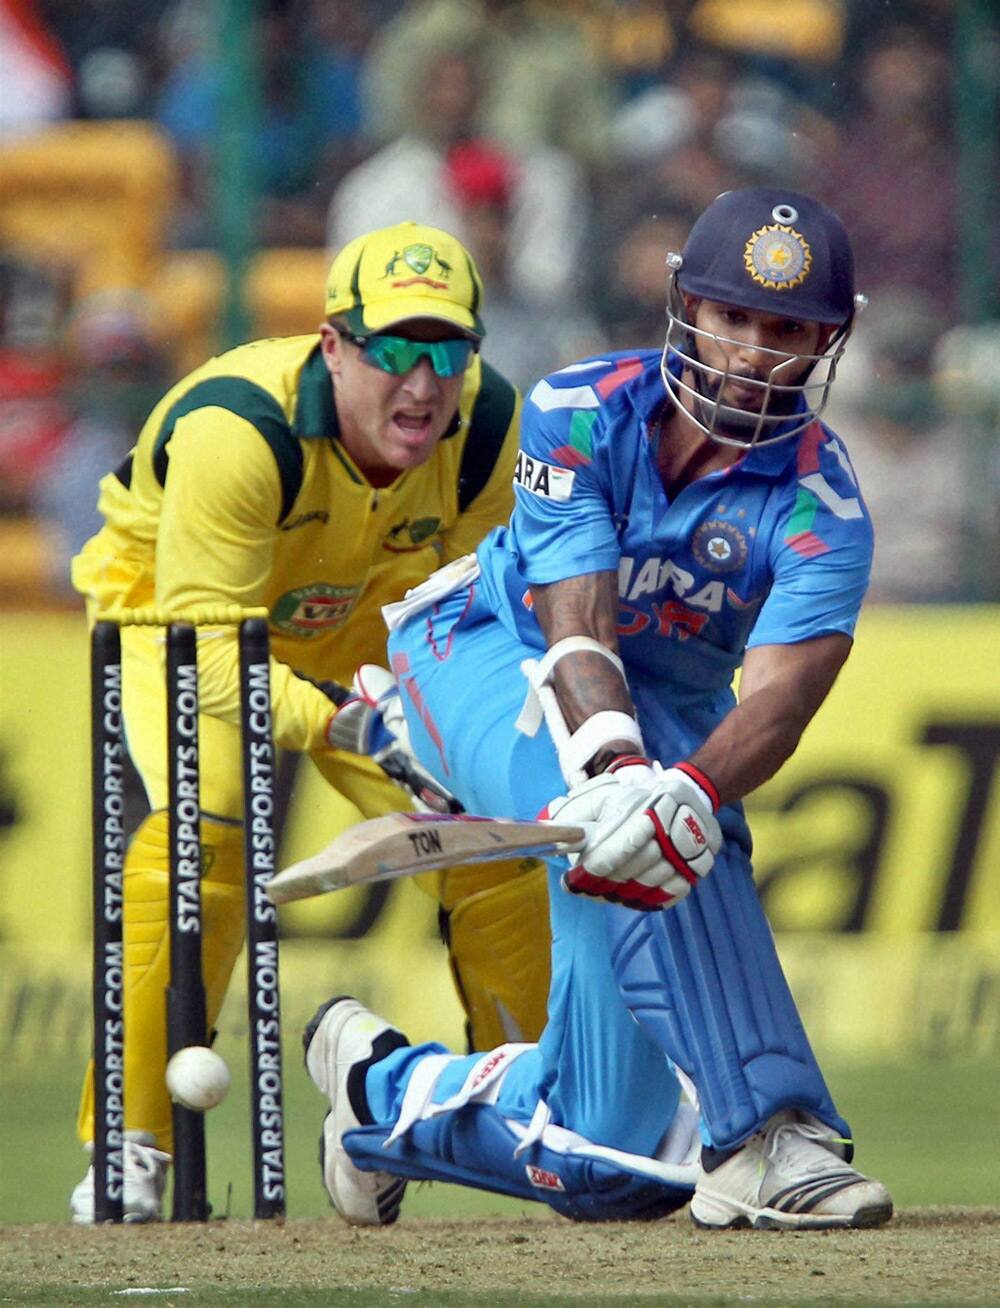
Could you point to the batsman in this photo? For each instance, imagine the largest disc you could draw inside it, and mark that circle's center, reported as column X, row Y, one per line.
column 680, row 513
column 319, row 476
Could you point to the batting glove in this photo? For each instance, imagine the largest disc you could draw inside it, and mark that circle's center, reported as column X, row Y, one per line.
column 371, row 718
column 372, row 722
column 655, row 833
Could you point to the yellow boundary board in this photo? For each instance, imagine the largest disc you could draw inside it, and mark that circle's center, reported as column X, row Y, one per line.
column 877, row 848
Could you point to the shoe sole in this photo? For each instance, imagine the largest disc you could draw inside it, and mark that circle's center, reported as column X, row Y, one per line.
column 313, row 1025
column 771, row 1220
column 388, row 1200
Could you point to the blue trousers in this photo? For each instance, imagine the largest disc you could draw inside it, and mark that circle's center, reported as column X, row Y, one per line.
column 634, row 996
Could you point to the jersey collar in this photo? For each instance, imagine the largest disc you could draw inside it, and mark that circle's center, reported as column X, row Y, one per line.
column 315, row 412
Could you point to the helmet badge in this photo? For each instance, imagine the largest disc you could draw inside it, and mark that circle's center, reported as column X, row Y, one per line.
column 777, row 256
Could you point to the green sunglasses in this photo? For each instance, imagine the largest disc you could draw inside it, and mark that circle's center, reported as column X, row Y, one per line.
column 397, row 354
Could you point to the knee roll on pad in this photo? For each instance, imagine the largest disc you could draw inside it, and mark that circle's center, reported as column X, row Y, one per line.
column 705, row 982
column 499, row 947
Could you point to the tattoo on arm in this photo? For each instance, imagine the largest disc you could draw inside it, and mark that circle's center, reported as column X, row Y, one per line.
column 585, row 683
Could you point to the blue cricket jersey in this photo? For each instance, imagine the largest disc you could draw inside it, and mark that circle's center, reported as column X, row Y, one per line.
column 774, row 549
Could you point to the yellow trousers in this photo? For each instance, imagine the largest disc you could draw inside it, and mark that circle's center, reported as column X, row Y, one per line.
column 498, row 936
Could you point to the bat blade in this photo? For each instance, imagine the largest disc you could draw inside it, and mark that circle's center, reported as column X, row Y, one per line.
column 401, row 844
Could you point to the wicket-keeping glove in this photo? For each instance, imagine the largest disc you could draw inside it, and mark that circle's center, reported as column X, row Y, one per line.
column 655, row 832
column 371, row 721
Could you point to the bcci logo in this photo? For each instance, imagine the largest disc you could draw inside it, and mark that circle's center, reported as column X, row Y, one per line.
column 778, row 257
column 719, row 546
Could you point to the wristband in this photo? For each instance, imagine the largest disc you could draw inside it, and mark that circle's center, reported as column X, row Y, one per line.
column 628, row 761
column 594, row 733
column 703, row 781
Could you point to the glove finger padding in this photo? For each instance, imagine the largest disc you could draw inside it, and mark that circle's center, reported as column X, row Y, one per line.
column 652, row 843
column 373, row 722
column 372, row 719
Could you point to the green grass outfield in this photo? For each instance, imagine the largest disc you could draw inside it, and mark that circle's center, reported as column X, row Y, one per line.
column 334, row 1298
column 931, row 1132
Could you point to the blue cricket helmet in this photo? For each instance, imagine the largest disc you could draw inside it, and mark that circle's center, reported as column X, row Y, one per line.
column 771, row 249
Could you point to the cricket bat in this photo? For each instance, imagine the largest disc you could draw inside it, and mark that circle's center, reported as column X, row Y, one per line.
column 401, row 844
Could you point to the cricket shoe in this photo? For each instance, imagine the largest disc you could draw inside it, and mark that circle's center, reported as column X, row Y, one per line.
column 788, row 1177
column 145, row 1180
column 341, row 1042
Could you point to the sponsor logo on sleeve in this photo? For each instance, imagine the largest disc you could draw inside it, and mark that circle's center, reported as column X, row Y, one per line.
column 543, row 479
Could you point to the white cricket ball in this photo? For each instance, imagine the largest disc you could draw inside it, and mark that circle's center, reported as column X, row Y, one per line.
column 197, row 1078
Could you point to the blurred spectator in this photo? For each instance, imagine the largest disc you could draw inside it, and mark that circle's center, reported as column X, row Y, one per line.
column 542, row 86
column 631, row 39
column 967, row 383
column 528, row 337
column 35, row 78
column 33, row 417
column 115, row 371
column 706, row 127
column 310, row 122
column 547, row 204
column 111, row 49
column 793, row 45
column 866, row 22
column 908, row 452
column 634, row 296
column 892, row 180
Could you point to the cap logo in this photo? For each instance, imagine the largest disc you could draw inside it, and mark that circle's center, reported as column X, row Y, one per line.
column 778, row 257
column 419, row 258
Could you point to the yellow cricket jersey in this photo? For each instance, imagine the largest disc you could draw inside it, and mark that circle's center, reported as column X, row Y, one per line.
column 238, row 491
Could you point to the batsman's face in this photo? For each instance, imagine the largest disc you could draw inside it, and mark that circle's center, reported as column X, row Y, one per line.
column 744, row 349
column 388, row 423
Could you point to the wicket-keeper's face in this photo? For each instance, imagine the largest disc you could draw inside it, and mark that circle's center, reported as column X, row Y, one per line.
column 390, row 422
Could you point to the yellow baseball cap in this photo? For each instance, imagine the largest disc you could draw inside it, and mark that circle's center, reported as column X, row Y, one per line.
column 407, row 271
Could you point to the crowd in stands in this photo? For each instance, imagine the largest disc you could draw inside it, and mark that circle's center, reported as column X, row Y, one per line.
column 569, row 143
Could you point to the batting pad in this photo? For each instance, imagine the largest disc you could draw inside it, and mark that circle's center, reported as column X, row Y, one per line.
column 704, row 980
column 475, row 1146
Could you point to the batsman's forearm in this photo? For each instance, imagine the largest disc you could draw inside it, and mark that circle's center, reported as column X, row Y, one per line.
column 781, row 689
column 750, row 744
column 584, row 682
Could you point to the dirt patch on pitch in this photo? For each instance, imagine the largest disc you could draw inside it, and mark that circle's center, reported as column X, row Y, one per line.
column 926, row 1256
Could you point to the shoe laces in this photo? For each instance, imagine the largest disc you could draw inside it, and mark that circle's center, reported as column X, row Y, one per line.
column 798, row 1147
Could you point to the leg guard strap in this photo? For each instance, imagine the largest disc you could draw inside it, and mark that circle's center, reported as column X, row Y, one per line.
column 466, row 1135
